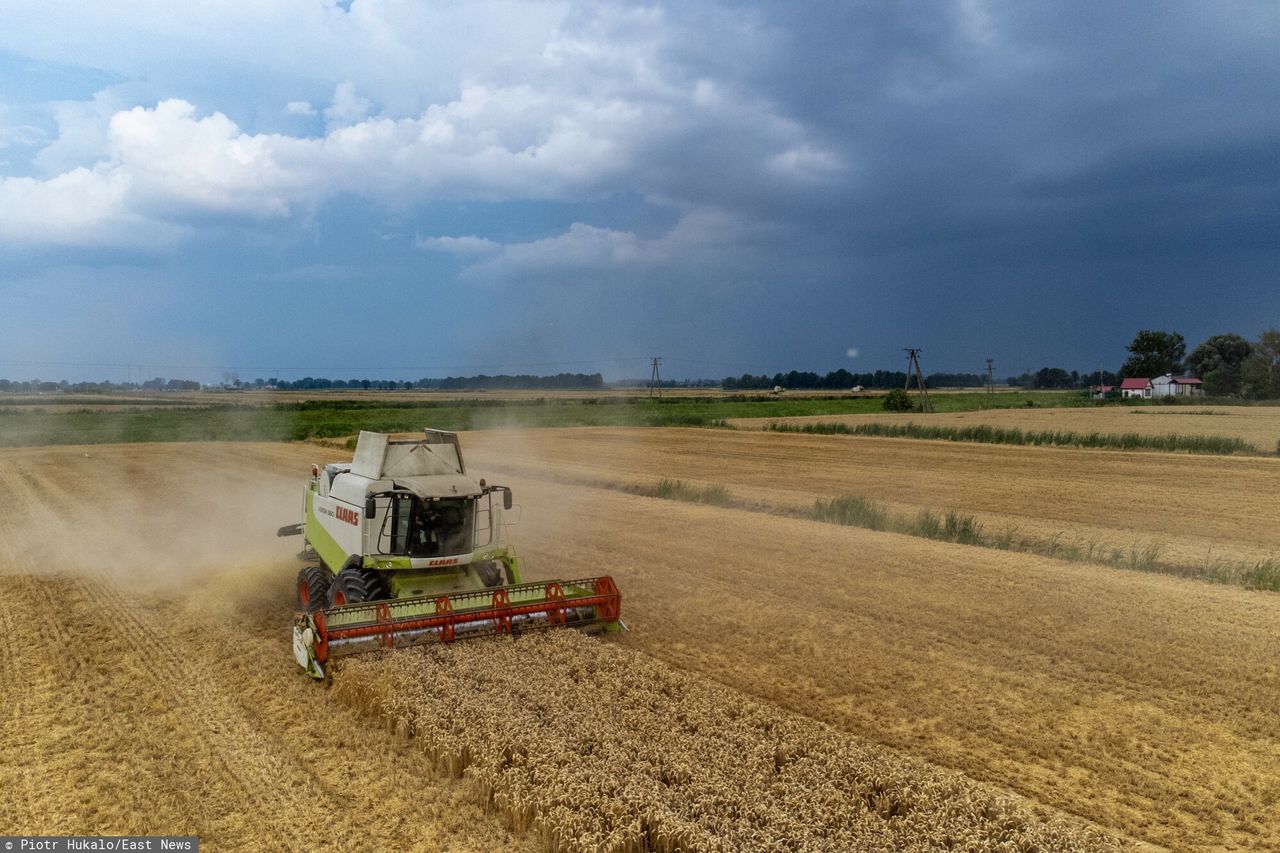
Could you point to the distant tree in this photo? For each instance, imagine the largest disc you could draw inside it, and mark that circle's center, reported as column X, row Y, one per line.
column 1218, row 361
column 1222, row 382
column 897, row 400
column 1053, row 377
column 1155, row 354
column 955, row 380
column 1228, row 350
column 1260, row 372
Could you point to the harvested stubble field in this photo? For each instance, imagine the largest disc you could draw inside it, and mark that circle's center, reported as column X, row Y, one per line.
column 148, row 687
column 1256, row 425
column 1193, row 509
column 1141, row 703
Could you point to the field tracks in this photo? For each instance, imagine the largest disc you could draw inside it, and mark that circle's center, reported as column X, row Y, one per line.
column 260, row 778
column 1138, row 554
column 19, row 671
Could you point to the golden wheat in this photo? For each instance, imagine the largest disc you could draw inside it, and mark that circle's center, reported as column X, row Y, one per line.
column 593, row 747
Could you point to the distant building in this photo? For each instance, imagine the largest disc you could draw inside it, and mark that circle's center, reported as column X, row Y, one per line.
column 1102, row 392
column 1175, row 386
column 1135, row 387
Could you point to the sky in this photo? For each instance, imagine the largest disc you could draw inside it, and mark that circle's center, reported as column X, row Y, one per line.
column 403, row 189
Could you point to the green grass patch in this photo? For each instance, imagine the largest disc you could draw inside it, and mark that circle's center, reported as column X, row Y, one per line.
column 984, row 434
column 1210, row 412
column 678, row 490
column 852, row 511
column 323, row 418
column 857, row 511
column 296, row 422
column 963, row 528
column 1250, row 574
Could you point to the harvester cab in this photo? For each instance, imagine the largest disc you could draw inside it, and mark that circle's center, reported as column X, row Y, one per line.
column 406, row 549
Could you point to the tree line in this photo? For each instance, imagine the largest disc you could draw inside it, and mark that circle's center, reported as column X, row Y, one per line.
column 501, row 382
column 483, row 382
column 844, row 380
column 1228, row 365
column 34, row 386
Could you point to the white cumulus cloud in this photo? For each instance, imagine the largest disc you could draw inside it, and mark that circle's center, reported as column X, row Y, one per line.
column 711, row 234
column 600, row 111
column 469, row 245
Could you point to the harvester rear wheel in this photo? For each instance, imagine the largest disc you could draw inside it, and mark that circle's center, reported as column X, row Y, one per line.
column 354, row 585
column 313, row 588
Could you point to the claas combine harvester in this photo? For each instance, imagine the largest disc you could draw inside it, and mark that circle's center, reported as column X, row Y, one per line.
column 405, row 549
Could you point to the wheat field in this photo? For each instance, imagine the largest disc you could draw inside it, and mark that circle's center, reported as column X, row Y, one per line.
column 1257, row 425
column 1195, row 509
column 149, row 683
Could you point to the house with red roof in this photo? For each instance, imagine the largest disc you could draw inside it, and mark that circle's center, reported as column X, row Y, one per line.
column 1175, row 386
column 1135, row 387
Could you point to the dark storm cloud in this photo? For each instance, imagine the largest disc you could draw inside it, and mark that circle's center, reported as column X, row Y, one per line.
column 1010, row 158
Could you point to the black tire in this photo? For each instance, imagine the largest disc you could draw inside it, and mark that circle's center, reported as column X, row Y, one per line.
column 379, row 585
column 313, row 588
column 489, row 572
column 354, row 585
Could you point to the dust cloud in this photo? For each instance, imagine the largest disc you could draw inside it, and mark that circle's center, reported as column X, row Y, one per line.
column 153, row 516
column 526, row 457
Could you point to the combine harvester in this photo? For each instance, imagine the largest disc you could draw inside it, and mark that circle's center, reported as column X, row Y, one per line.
column 409, row 550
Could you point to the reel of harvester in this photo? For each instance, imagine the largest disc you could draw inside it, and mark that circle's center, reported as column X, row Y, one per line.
column 585, row 604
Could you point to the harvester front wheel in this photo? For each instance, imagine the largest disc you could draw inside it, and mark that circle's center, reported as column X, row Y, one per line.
column 313, row 588
column 354, row 585
column 489, row 572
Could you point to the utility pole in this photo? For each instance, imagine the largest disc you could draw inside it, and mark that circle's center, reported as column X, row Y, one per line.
column 991, row 384
column 655, row 379
column 913, row 369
